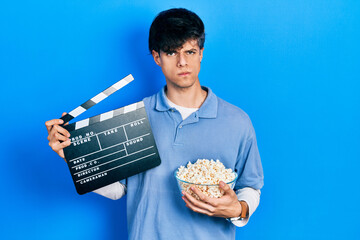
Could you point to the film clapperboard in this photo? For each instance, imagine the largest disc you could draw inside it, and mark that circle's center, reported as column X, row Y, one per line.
column 111, row 146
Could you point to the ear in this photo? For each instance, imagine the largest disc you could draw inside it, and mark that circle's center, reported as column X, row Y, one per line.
column 201, row 54
column 156, row 57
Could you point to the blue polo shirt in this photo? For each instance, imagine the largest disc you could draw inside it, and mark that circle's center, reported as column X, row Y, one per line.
column 218, row 130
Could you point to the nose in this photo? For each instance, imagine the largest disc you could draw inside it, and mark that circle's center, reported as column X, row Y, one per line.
column 182, row 61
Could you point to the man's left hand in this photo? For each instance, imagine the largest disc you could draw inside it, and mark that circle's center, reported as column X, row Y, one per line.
column 227, row 206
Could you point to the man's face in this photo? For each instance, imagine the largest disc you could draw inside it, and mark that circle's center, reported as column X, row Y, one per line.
column 181, row 67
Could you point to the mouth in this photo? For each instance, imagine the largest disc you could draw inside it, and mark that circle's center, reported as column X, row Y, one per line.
column 182, row 74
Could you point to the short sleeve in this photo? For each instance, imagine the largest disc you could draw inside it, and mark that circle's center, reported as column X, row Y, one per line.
column 248, row 165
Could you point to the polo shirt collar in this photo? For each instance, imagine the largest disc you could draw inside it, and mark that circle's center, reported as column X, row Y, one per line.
column 161, row 103
column 207, row 110
column 210, row 106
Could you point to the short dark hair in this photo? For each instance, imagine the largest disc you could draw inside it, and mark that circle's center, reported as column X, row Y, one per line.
column 172, row 28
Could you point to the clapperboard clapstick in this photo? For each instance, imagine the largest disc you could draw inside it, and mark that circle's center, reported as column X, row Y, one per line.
column 111, row 146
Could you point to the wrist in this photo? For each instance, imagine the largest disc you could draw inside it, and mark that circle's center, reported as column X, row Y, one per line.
column 241, row 213
column 238, row 211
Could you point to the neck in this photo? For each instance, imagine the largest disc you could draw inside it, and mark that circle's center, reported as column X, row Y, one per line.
column 191, row 97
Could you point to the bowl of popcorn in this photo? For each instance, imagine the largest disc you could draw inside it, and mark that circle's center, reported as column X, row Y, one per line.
column 205, row 175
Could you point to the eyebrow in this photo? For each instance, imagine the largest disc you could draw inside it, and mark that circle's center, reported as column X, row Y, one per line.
column 176, row 50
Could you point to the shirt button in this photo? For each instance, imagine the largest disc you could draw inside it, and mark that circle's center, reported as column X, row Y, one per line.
column 180, row 127
column 172, row 110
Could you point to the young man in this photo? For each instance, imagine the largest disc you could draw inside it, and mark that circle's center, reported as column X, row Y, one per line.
column 188, row 122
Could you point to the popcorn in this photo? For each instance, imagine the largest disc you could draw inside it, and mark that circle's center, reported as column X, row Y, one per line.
column 208, row 172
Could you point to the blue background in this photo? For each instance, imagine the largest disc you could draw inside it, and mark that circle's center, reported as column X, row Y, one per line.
column 293, row 66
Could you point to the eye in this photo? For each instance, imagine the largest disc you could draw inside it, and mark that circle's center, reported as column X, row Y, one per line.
column 190, row 52
column 170, row 53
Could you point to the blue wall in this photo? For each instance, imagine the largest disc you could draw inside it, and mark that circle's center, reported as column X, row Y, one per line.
column 293, row 66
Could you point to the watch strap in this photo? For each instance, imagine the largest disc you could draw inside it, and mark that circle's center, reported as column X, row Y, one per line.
column 244, row 209
column 244, row 212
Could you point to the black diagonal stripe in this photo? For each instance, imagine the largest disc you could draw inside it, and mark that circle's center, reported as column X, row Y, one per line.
column 66, row 118
column 70, row 127
column 88, row 104
column 95, row 119
column 118, row 111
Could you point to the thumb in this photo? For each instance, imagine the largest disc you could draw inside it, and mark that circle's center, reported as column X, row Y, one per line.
column 225, row 187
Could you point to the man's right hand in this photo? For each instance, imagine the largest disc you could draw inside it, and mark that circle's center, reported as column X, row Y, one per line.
column 58, row 137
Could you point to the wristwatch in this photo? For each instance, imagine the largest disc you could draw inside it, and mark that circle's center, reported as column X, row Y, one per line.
column 243, row 214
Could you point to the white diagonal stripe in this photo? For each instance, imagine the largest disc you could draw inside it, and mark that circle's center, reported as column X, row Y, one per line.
column 129, row 78
column 123, row 82
column 107, row 115
column 98, row 98
column 130, row 108
column 120, row 84
column 82, row 123
column 77, row 111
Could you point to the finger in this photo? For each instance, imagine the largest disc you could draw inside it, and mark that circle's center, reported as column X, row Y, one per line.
column 202, row 196
column 61, row 154
column 226, row 188
column 198, row 204
column 57, row 146
column 54, row 135
column 195, row 208
column 60, row 130
column 49, row 124
column 60, row 137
